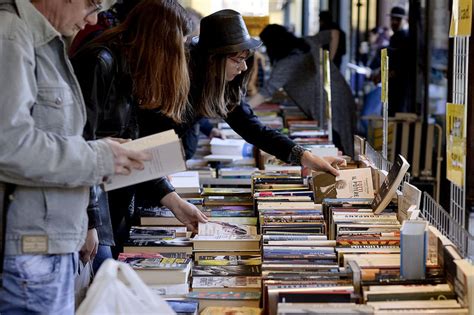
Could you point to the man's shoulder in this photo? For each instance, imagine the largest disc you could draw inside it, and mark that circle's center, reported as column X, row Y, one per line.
column 12, row 27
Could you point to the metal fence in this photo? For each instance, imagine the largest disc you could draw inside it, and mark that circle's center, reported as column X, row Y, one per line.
column 450, row 226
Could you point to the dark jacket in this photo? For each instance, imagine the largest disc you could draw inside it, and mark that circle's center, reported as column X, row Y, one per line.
column 111, row 112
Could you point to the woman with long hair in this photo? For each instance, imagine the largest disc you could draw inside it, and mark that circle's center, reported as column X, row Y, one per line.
column 219, row 75
column 140, row 65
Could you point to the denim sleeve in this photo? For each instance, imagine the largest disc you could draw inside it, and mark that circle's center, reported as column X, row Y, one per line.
column 31, row 156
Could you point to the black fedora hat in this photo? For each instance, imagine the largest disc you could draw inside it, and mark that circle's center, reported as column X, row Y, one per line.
column 225, row 32
column 398, row 12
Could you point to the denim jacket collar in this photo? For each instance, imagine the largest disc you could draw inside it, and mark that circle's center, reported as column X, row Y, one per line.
column 43, row 32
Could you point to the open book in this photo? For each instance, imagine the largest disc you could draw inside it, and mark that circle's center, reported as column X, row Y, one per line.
column 167, row 158
column 389, row 186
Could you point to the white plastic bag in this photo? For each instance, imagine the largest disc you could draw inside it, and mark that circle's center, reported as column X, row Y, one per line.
column 82, row 281
column 109, row 294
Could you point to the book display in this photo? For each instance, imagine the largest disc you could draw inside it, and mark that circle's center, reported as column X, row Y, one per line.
column 278, row 247
column 287, row 243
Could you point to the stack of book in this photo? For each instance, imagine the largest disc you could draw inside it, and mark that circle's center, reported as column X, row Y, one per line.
column 237, row 172
column 231, row 205
column 308, row 133
column 186, row 184
column 167, row 274
column 360, row 231
column 299, row 263
column 269, row 115
column 227, row 267
column 292, row 112
column 160, row 232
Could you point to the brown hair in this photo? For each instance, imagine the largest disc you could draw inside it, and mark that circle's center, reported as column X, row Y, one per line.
column 151, row 40
column 212, row 95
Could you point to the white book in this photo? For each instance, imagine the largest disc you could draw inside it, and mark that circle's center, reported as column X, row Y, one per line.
column 233, row 147
column 185, row 182
column 167, row 157
column 212, row 228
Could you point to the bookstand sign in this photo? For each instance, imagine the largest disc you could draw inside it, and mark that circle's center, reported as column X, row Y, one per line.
column 384, row 97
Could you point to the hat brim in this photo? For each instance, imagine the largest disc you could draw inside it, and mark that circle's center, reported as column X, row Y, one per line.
column 249, row 44
column 397, row 15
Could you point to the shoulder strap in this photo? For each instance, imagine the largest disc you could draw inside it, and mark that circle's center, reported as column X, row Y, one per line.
column 8, row 190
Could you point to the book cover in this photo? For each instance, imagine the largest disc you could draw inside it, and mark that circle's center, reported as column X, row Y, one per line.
column 221, row 191
column 226, row 282
column 390, row 185
column 184, row 307
column 153, row 261
column 351, row 183
column 167, row 157
column 214, row 228
column 155, row 233
column 240, row 270
column 229, row 260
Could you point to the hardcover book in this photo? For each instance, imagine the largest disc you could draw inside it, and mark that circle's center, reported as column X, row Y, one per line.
column 390, row 185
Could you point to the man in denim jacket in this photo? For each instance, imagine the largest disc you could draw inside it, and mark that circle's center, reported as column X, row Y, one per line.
column 43, row 155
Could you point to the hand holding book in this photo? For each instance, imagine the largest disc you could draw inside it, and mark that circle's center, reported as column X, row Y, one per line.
column 125, row 159
column 326, row 164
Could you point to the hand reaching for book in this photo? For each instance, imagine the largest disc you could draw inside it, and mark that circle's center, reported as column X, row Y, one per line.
column 326, row 164
column 217, row 133
column 185, row 212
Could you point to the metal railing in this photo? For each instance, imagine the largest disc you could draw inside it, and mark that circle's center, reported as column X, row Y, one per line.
column 446, row 224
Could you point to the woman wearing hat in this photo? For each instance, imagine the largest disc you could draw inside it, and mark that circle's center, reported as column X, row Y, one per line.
column 219, row 75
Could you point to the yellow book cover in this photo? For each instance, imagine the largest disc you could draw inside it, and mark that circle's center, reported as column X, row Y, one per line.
column 461, row 18
column 455, row 143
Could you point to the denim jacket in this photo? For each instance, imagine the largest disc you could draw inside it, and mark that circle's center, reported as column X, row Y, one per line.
column 42, row 115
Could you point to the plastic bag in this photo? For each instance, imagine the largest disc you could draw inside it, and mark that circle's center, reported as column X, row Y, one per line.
column 127, row 294
column 82, row 281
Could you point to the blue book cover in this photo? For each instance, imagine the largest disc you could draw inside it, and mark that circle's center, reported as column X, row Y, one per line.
column 184, row 307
